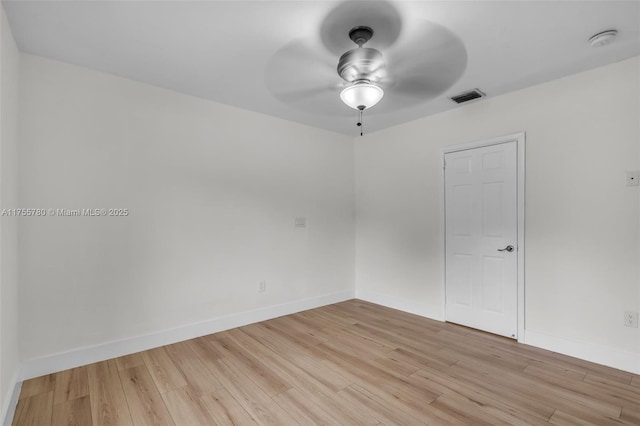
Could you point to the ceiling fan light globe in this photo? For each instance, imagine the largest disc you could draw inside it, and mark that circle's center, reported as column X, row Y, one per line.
column 361, row 94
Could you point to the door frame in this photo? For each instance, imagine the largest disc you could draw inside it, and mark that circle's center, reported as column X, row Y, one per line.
column 519, row 138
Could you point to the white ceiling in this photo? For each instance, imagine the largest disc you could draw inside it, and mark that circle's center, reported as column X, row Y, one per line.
column 225, row 50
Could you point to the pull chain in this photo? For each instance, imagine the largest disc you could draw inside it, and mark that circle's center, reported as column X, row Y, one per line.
column 359, row 124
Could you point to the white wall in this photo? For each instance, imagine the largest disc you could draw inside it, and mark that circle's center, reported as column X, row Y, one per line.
column 9, row 63
column 582, row 229
column 212, row 191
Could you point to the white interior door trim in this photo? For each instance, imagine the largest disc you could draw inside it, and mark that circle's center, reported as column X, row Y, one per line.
column 519, row 138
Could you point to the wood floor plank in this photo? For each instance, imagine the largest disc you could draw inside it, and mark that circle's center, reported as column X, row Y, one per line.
column 128, row 361
column 301, row 328
column 278, row 359
column 614, row 388
column 387, row 411
column 534, row 368
column 489, row 355
column 251, row 366
column 400, row 390
column 370, row 372
column 564, row 419
column 185, row 408
column 567, row 401
column 225, row 410
column 351, row 363
column 418, row 359
column 302, row 409
column 312, row 380
column 71, row 384
column 284, row 345
column 164, row 372
column 38, row 385
column 631, row 415
column 296, row 341
column 253, row 399
column 353, row 413
column 143, row 398
column 361, row 345
column 589, row 367
column 398, row 340
column 316, row 325
column 460, row 380
column 200, row 379
column 537, row 356
column 520, row 408
column 34, row 410
column 335, row 316
column 322, row 394
column 108, row 403
column 615, row 395
column 459, row 408
column 74, row 412
column 404, row 324
column 493, row 412
column 206, row 353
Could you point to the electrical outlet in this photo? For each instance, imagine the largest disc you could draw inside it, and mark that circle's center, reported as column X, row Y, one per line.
column 631, row 319
column 262, row 286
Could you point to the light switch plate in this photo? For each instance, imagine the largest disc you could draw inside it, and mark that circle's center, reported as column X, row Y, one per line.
column 633, row 178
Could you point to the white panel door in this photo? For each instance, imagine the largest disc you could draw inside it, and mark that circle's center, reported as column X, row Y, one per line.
column 481, row 238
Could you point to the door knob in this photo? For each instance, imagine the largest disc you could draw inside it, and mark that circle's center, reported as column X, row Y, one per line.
column 508, row 248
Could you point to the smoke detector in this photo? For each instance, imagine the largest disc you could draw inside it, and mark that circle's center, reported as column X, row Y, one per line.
column 603, row 38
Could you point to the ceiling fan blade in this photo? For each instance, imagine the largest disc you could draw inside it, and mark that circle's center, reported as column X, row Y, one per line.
column 304, row 76
column 420, row 88
column 299, row 55
column 428, row 63
column 381, row 16
column 300, row 95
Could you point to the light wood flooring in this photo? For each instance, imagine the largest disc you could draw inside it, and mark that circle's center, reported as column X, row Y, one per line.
column 350, row 363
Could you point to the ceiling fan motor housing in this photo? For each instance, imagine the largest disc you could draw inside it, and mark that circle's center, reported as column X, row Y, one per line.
column 360, row 64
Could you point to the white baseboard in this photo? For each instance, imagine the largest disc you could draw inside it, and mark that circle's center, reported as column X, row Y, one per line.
column 82, row 356
column 11, row 401
column 611, row 357
column 405, row 305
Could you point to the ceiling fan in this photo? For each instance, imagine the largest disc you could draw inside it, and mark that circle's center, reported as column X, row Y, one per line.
column 407, row 61
column 362, row 68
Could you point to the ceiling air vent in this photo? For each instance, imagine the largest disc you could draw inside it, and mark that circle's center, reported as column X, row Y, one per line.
column 467, row 96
